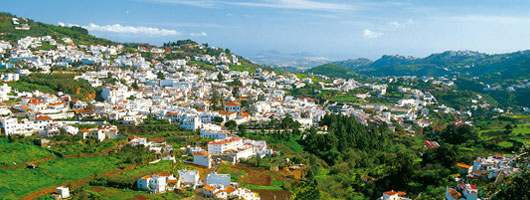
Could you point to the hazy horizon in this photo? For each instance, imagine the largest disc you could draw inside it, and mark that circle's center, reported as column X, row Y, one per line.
column 333, row 29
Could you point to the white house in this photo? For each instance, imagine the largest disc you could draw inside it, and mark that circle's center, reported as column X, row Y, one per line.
column 213, row 132
column 189, row 178
column 462, row 191
column 232, row 106
column 63, row 191
column 158, row 183
column 190, row 123
column 202, row 159
column 393, row 195
column 220, row 146
column 218, row 179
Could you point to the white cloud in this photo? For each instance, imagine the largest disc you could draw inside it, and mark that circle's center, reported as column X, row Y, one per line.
column 371, row 34
column 201, row 34
column 67, row 25
column 396, row 24
column 136, row 30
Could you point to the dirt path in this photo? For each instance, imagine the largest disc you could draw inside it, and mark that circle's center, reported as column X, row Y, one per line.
column 30, row 162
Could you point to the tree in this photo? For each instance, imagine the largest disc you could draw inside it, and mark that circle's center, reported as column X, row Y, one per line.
column 160, row 75
column 220, row 77
column 235, row 92
column 242, row 129
column 508, row 129
column 218, row 119
column 135, row 85
column 237, row 82
column 454, row 134
column 305, row 190
column 515, row 187
column 231, row 125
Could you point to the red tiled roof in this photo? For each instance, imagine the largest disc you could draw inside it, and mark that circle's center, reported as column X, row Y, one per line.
column 209, row 188
column 201, row 153
column 36, row 101
column 232, row 103
column 157, row 140
column 41, row 118
column 224, row 141
column 463, row 165
column 164, row 173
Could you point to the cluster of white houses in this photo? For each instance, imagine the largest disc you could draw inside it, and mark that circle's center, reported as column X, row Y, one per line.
column 491, row 167
column 217, row 185
column 231, row 148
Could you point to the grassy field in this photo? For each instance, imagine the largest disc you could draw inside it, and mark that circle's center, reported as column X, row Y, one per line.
column 242, row 68
column 20, row 152
column 235, row 174
column 493, row 131
column 30, row 87
column 118, row 194
column 83, row 146
column 21, row 181
column 275, row 185
column 148, row 169
column 345, row 98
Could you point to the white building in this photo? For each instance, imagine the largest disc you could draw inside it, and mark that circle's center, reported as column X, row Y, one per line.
column 158, row 183
column 393, row 195
column 233, row 106
column 221, row 146
column 218, row 179
column 189, row 178
column 191, row 123
column 202, row 159
column 213, row 132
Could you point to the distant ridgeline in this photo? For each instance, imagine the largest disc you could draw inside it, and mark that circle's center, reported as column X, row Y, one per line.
column 465, row 63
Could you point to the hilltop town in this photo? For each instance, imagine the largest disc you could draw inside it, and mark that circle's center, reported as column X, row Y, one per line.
column 84, row 120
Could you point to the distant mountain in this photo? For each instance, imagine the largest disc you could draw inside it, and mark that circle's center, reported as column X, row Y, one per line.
column 468, row 63
column 332, row 70
column 293, row 61
column 353, row 64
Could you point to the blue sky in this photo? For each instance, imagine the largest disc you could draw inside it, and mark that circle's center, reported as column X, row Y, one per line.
column 337, row 29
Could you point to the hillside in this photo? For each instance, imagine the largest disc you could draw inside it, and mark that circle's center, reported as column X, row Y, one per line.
column 353, row 64
column 494, row 67
column 10, row 32
column 332, row 70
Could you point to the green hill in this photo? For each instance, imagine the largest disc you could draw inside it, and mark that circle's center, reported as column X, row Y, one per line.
column 332, row 70
column 493, row 67
column 79, row 35
column 353, row 64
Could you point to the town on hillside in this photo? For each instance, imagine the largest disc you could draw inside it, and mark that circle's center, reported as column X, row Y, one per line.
column 91, row 119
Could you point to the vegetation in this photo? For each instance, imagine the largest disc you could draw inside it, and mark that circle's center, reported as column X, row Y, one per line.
column 19, row 152
column 332, row 70
column 21, row 181
column 54, row 83
column 77, row 34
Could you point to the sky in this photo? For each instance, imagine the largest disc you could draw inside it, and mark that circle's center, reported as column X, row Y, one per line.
column 337, row 29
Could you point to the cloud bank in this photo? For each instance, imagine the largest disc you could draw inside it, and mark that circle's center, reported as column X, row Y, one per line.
column 135, row 30
column 371, row 34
